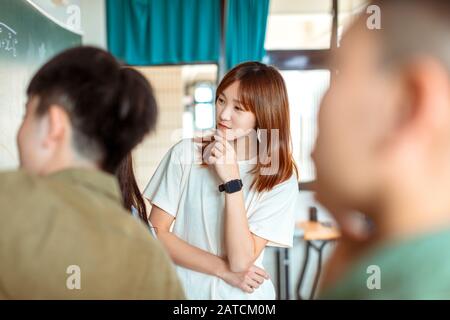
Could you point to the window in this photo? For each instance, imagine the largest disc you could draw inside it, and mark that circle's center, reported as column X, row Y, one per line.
column 204, row 105
column 294, row 25
column 298, row 41
column 305, row 90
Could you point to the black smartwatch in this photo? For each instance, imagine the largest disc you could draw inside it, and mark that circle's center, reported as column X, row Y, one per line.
column 231, row 186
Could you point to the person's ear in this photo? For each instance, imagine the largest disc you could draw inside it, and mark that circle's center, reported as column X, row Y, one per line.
column 58, row 125
column 426, row 107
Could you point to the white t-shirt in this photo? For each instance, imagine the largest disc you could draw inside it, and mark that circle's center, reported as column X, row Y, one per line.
column 189, row 192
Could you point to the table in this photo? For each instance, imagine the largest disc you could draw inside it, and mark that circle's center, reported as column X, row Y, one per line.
column 314, row 231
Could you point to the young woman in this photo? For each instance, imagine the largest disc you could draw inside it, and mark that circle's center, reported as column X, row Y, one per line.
column 233, row 196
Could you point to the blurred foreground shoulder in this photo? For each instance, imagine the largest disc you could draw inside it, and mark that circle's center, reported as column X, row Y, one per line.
column 160, row 281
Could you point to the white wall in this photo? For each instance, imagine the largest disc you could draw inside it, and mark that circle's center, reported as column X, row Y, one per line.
column 93, row 17
column 61, row 11
column 93, row 22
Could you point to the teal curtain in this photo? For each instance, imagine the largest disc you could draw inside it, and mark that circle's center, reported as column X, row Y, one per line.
column 245, row 31
column 152, row 32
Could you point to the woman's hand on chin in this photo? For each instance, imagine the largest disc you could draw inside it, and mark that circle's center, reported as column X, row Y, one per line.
column 223, row 157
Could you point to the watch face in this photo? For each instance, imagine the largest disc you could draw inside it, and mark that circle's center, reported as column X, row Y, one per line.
column 233, row 186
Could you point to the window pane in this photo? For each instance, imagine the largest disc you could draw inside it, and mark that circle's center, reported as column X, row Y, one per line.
column 204, row 116
column 305, row 90
column 203, row 93
column 299, row 24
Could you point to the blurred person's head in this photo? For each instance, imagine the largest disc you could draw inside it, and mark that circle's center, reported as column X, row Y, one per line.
column 252, row 97
column 384, row 125
column 84, row 109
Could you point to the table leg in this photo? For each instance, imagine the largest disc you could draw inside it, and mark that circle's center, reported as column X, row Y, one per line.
column 286, row 273
column 302, row 274
column 319, row 268
column 278, row 259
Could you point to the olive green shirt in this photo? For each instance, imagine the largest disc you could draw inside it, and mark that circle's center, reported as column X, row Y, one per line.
column 417, row 268
column 67, row 236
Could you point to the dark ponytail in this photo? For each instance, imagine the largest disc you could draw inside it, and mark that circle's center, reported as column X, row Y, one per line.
column 131, row 194
column 111, row 107
column 136, row 106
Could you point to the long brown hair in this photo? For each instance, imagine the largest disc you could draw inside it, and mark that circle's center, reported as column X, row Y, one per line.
column 263, row 92
column 131, row 195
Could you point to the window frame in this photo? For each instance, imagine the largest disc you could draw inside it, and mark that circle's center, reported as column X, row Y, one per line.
column 301, row 60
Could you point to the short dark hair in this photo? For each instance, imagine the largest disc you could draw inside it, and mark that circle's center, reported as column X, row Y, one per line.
column 413, row 27
column 111, row 107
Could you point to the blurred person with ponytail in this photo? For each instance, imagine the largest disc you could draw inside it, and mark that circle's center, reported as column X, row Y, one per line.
column 64, row 232
column 232, row 195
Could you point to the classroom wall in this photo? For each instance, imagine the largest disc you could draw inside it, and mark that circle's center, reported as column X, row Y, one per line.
column 28, row 38
column 168, row 87
column 62, row 11
column 11, row 113
column 93, row 22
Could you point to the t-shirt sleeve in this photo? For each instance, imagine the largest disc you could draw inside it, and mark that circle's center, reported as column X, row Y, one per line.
column 164, row 188
column 273, row 217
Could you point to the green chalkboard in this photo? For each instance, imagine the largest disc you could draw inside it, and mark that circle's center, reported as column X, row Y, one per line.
column 28, row 38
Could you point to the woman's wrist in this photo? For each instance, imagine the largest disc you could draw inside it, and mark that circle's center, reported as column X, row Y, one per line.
column 221, row 269
column 232, row 176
